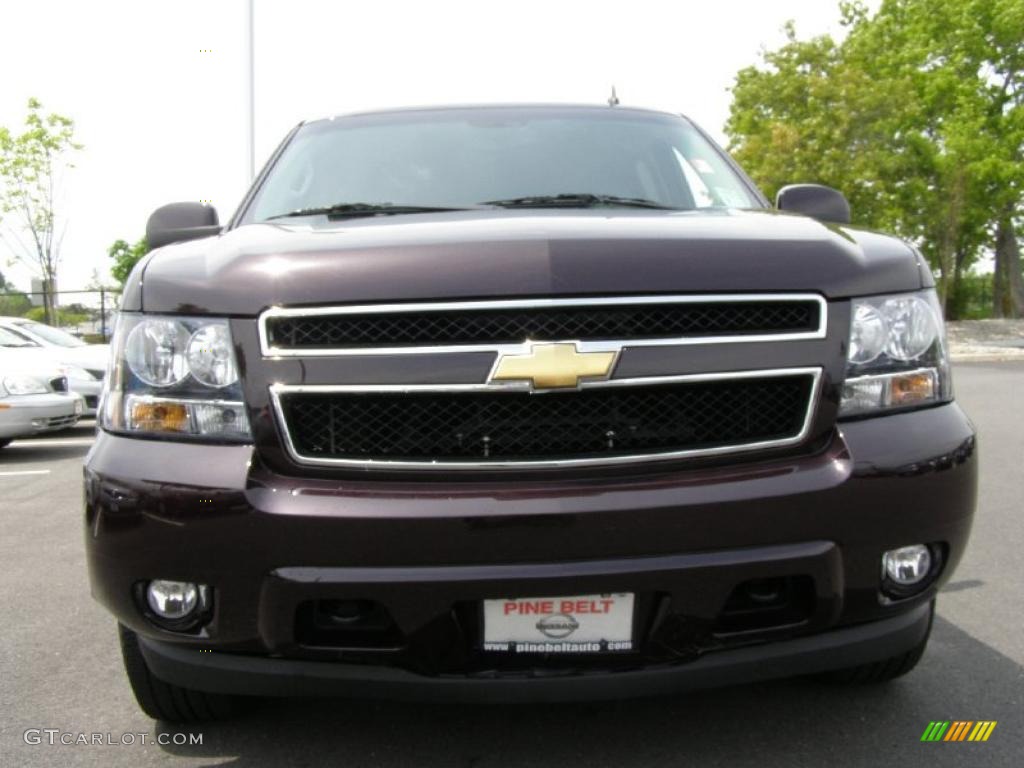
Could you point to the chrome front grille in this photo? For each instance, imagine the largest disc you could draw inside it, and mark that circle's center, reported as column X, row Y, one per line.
column 540, row 421
column 57, row 422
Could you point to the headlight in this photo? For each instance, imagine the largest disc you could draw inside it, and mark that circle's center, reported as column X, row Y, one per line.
column 25, row 385
column 155, row 352
column 211, row 358
column 897, row 356
column 174, row 376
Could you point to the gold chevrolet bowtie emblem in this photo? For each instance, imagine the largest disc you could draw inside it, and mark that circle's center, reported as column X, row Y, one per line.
column 554, row 366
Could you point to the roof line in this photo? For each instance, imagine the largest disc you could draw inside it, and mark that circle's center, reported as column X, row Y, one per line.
column 495, row 106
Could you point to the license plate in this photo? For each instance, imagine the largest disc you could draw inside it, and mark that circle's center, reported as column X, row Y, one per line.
column 582, row 624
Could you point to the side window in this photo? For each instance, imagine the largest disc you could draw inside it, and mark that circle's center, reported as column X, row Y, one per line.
column 21, row 335
column 12, row 338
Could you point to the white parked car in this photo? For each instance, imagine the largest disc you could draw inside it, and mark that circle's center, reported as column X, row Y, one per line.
column 85, row 365
column 34, row 394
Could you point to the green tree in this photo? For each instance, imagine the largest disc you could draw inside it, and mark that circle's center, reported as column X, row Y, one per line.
column 916, row 115
column 71, row 315
column 12, row 301
column 125, row 257
column 32, row 168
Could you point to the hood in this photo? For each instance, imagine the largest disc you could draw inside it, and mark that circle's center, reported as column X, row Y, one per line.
column 28, row 362
column 491, row 254
column 93, row 357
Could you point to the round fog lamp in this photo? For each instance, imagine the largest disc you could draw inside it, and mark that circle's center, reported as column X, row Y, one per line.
column 907, row 566
column 172, row 600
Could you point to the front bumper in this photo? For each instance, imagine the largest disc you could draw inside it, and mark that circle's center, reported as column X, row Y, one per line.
column 90, row 392
column 24, row 415
column 681, row 540
column 247, row 675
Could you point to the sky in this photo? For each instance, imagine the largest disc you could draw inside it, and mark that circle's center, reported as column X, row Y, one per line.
column 156, row 87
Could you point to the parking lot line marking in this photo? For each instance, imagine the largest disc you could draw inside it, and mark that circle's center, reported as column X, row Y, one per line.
column 26, row 472
column 43, row 441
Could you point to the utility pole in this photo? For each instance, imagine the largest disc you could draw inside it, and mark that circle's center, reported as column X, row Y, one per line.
column 250, row 94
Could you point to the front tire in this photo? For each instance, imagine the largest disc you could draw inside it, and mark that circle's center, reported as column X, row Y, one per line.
column 164, row 701
column 886, row 669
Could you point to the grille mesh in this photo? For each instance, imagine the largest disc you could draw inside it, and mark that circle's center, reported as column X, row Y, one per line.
column 500, row 326
column 591, row 423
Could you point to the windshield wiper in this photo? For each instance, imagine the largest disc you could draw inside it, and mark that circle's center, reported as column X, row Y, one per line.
column 343, row 210
column 578, row 200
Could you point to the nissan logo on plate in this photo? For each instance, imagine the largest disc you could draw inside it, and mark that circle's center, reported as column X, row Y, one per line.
column 558, row 626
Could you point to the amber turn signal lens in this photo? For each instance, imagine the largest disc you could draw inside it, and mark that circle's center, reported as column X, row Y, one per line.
column 910, row 388
column 159, row 417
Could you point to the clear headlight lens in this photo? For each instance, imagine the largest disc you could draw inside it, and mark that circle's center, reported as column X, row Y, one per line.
column 897, row 355
column 913, row 327
column 25, row 385
column 868, row 332
column 155, row 352
column 174, row 376
column 211, row 358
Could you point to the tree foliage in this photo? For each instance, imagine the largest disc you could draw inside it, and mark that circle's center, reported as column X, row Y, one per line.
column 12, row 301
column 916, row 115
column 32, row 167
column 62, row 316
column 125, row 257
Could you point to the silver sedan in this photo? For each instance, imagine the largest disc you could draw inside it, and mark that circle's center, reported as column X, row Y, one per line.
column 34, row 399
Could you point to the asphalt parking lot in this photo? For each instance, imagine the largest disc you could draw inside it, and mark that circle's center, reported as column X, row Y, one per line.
column 60, row 666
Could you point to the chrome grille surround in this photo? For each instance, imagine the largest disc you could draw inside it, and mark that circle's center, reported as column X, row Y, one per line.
column 269, row 350
column 277, row 391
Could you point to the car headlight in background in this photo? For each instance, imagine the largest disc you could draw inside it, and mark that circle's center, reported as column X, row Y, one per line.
column 24, row 385
column 174, row 376
column 897, row 355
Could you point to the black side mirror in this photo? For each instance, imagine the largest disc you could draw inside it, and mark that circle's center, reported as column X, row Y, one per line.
column 814, row 200
column 177, row 222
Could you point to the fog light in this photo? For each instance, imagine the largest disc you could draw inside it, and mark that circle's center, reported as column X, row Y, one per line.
column 172, row 600
column 907, row 566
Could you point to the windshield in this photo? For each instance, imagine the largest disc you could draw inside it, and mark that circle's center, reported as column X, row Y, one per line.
column 12, row 339
column 51, row 334
column 468, row 157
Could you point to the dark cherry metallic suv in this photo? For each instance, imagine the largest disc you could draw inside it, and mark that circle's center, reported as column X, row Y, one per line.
column 524, row 402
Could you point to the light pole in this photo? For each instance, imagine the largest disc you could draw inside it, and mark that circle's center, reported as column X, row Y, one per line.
column 250, row 95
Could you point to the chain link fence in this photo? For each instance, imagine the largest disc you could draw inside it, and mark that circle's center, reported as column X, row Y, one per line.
column 88, row 313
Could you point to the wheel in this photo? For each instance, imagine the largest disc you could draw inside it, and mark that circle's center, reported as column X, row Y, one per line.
column 884, row 670
column 164, row 701
column 5, row 441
